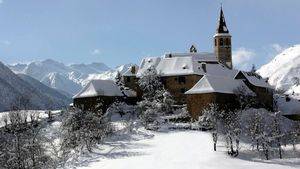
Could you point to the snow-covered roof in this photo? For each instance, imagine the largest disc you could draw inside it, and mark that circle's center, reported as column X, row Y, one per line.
column 222, row 34
column 147, row 63
column 175, row 64
column 130, row 72
column 255, row 79
column 215, row 84
column 198, row 56
column 99, row 88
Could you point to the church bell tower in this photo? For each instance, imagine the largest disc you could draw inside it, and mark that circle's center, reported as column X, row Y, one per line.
column 222, row 42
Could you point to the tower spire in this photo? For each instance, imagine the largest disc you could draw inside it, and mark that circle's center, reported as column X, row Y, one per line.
column 222, row 28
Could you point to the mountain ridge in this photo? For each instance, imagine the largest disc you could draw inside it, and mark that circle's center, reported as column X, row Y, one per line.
column 283, row 71
column 67, row 78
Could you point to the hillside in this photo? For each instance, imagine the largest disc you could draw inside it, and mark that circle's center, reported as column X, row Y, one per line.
column 49, row 92
column 66, row 78
column 284, row 70
column 17, row 92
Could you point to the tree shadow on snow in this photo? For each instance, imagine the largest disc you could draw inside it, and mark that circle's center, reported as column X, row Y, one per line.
column 290, row 157
column 119, row 145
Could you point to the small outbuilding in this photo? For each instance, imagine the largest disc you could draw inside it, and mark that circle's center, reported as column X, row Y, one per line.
column 212, row 89
column 100, row 94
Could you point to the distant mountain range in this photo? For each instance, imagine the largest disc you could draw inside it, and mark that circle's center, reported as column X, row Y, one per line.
column 283, row 72
column 68, row 79
column 24, row 92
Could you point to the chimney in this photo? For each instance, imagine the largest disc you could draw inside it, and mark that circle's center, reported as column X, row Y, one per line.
column 133, row 69
column 203, row 65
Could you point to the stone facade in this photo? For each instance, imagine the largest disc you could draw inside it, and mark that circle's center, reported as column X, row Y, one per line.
column 178, row 85
column 92, row 103
column 222, row 49
column 264, row 95
column 198, row 102
column 222, row 42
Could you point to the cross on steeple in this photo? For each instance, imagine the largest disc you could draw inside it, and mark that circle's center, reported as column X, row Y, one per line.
column 222, row 28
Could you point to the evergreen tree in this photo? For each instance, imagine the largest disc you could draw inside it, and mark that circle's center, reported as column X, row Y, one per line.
column 156, row 100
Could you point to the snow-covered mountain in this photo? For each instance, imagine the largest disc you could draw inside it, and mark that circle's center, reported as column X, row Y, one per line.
column 25, row 92
column 283, row 71
column 67, row 78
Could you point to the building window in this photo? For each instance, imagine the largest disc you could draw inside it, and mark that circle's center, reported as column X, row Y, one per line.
column 227, row 42
column 181, row 80
column 182, row 90
column 127, row 79
column 215, row 42
column 221, row 42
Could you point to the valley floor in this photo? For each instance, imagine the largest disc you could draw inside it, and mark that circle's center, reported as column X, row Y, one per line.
column 178, row 150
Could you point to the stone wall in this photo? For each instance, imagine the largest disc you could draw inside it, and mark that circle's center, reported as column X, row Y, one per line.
column 177, row 86
column 196, row 103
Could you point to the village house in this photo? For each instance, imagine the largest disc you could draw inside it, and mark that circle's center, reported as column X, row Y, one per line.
column 214, row 89
column 100, row 94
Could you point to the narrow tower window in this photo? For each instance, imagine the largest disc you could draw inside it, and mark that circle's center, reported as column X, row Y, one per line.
column 221, row 42
column 227, row 42
column 215, row 42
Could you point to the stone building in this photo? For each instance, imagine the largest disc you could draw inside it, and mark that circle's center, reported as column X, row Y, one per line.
column 263, row 90
column 214, row 90
column 131, row 81
column 100, row 94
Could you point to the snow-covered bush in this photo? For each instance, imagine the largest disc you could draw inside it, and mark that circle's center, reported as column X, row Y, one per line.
column 156, row 100
column 82, row 130
column 268, row 131
column 22, row 143
column 121, row 109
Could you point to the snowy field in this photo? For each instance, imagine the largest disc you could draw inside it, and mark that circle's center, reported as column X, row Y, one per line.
column 178, row 150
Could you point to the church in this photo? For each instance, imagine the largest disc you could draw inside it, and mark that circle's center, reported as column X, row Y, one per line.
column 197, row 79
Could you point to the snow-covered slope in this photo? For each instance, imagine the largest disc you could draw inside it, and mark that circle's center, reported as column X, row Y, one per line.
column 177, row 150
column 60, row 82
column 16, row 92
column 284, row 70
column 67, row 78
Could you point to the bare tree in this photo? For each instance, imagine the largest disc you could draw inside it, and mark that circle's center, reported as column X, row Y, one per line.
column 21, row 144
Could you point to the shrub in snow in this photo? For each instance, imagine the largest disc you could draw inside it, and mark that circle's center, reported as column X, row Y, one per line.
column 82, row 130
column 22, row 144
column 121, row 109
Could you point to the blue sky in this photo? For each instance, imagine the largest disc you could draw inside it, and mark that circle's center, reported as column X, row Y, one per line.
column 124, row 31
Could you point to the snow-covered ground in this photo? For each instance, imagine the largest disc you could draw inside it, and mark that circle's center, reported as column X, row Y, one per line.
column 177, row 150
